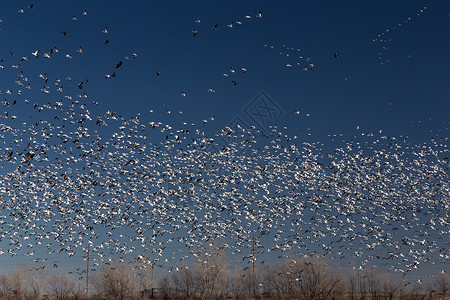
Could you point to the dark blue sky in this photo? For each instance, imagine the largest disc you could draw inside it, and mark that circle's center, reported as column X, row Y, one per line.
column 411, row 87
column 402, row 89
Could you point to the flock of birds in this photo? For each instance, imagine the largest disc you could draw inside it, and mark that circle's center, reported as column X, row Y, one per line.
column 231, row 24
column 295, row 54
column 131, row 184
column 384, row 38
column 68, row 178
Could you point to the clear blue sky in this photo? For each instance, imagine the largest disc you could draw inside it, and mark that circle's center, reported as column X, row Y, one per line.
column 402, row 91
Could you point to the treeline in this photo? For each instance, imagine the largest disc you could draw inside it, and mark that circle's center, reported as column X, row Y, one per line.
column 307, row 278
column 212, row 277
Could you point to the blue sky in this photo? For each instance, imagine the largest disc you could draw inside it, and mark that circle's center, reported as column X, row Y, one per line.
column 404, row 91
column 161, row 35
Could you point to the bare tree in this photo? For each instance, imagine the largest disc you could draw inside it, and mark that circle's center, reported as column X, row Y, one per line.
column 352, row 282
column 164, row 285
column 430, row 289
column 211, row 273
column 403, row 290
column 362, row 286
column 416, row 292
column 78, row 291
column 273, row 280
column 142, row 271
column 390, row 287
column 443, row 284
column 314, row 280
column 242, row 284
column 373, row 279
column 12, row 286
column 115, row 281
column 61, row 286
column 293, row 277
column 339, row 291
column 35, row 279
column 6, row 289
column 184, row 281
